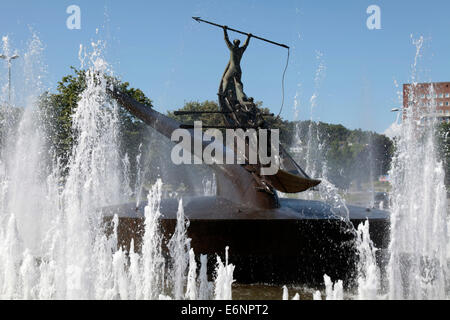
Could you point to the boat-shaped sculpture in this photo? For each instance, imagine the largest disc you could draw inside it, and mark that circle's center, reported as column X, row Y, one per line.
column 271, row 239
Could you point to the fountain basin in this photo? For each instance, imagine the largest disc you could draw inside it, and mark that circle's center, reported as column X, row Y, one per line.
column 296, row 243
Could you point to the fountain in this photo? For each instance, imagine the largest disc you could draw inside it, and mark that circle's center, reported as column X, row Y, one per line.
column 59, row 245
column 67, row 234
column 245, row 212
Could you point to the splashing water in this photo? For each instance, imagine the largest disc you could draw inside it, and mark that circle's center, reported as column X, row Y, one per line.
column 368, row 272
column 179, row 246
column 191, row 288
column 314, row 156
column 50, row 222
column 152, row 260
column 285, row 293
column 418, row 251
column 317, row 295
column 205, row 287
column 54, row 239
column 333, row 291
column 312, row 153
column 6, row 50
column 224, row 279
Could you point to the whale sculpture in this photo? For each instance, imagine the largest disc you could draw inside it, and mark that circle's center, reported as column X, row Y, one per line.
column 271, row 239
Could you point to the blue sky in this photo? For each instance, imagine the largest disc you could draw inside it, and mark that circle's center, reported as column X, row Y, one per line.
column 156, row 46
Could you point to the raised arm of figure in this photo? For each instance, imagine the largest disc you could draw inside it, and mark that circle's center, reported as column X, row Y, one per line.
column 247, row 41
column 227, row 40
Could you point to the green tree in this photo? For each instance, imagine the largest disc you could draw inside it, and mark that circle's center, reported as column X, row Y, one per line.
column 56, row 110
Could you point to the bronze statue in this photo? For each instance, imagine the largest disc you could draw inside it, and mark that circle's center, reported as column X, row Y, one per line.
column 246, row 209
column 231, row 79
column 231, row 90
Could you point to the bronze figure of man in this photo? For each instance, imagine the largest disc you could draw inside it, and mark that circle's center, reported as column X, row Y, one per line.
column 231, row 79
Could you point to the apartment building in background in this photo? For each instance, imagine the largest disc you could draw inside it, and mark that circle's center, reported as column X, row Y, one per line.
column 426, row 95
